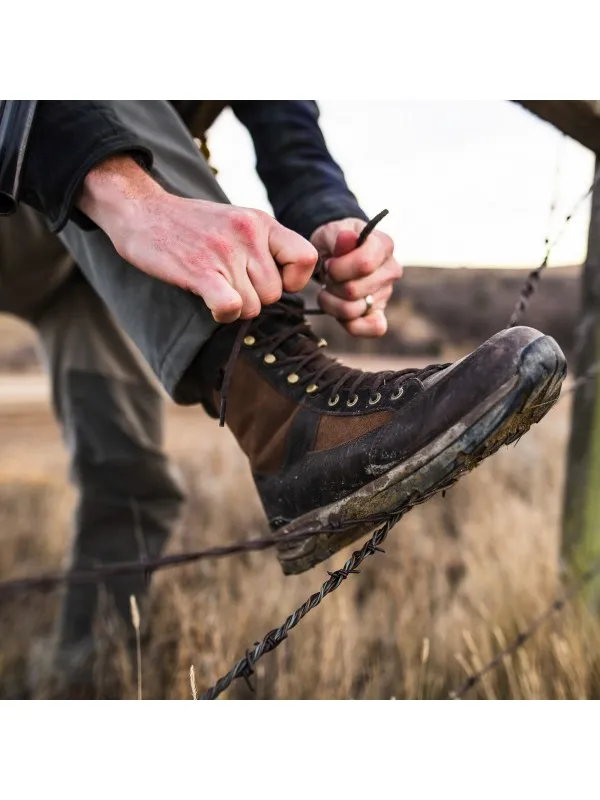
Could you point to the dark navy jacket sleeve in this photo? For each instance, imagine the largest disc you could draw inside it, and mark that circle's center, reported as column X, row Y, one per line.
column 306, row 187
column 68, row 138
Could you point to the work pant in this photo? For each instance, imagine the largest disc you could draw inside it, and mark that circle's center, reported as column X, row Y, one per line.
column 109, row 333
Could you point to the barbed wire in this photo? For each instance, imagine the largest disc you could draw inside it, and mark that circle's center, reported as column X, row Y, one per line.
column 591, row 372
column 534, row 276
column 244, row 667
column 51, row 580
column 147, row 566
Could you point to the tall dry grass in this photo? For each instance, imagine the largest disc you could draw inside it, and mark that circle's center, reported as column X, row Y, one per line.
column 460, row 576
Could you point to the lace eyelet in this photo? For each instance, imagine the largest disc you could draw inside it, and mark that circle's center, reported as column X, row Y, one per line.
column 374, row 400
column 270, row 358
column 333, row 401
column 352, row 402
column 397, row 395
column 322, row 343
column 249, row 341
column 293, row 378
column 311, row 388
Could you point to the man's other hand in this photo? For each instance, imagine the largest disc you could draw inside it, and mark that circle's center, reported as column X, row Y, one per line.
column 352, row 275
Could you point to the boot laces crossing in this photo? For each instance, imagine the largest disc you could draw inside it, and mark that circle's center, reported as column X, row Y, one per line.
column 304, row 354
column 308, row 360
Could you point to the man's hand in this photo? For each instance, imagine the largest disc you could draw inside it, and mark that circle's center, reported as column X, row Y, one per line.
column 236, row 259
column 354, row 274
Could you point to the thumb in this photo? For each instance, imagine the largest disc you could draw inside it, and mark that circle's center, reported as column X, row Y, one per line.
column 345, row 242
column 295, row 256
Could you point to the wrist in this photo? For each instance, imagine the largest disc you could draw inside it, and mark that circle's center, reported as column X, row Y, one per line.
column 115, row 191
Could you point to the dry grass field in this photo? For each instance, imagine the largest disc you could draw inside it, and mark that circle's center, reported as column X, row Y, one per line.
column 459, row 577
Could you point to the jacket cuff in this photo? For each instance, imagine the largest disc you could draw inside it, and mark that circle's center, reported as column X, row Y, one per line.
column 308, row 214
column 65, row 210
column 68, row 138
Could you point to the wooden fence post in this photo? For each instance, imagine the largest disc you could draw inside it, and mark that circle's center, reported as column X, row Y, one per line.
column 581, row 509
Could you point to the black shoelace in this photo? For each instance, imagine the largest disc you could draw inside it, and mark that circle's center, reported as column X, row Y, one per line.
column 313, row 369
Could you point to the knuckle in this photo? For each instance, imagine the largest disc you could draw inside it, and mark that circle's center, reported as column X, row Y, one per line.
column 271, row 295
column 308, row 260
column 243, row 224
column 220, row 246
column 365, row 266
column 353, row 291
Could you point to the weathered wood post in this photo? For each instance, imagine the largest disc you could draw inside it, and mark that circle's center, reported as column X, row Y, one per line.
column 581, row 510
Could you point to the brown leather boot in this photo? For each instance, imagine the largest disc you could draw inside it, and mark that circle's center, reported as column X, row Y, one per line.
column 334, row 448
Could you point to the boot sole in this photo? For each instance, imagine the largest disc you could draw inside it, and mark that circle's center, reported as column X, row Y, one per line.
column 503, row 418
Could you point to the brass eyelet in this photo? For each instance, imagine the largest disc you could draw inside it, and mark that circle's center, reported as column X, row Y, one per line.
column 311, row 388
column 374, row 400
column 322, row 343
column 333, row 401
column 352, row 402
column 397, row 395
column 293, row 378
column 270, row 358
column 249, row 341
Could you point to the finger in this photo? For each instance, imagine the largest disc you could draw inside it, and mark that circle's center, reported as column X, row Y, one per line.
column 294, row 254
column 266, row 279
column 377, row 249
column 345, row 310
column 345, row 242
column 370, row 327
column 251, row 305
column 220, row 297
column 386, row 275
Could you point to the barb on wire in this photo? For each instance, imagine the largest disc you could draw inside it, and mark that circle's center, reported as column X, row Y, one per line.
column 245, row 666
column 524, row 636
column 534, row 276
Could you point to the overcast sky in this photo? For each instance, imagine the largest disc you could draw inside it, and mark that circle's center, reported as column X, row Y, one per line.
column 466, row 183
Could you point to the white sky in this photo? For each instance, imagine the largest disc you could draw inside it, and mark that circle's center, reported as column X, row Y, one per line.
column 466, row 182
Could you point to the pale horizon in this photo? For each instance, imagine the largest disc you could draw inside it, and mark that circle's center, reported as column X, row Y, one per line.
column 467, row 183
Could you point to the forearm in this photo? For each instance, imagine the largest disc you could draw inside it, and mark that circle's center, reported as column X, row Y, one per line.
column 306, row 187
column 68, row 139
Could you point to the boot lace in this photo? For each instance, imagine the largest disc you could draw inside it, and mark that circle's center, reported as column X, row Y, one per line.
column 310, row 365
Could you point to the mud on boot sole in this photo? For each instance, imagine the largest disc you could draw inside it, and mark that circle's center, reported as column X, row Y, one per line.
column 501, row 419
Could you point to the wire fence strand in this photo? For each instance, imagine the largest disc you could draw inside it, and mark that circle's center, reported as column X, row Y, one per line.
column 535, row 275
column 524, row 636
column 244, row 668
